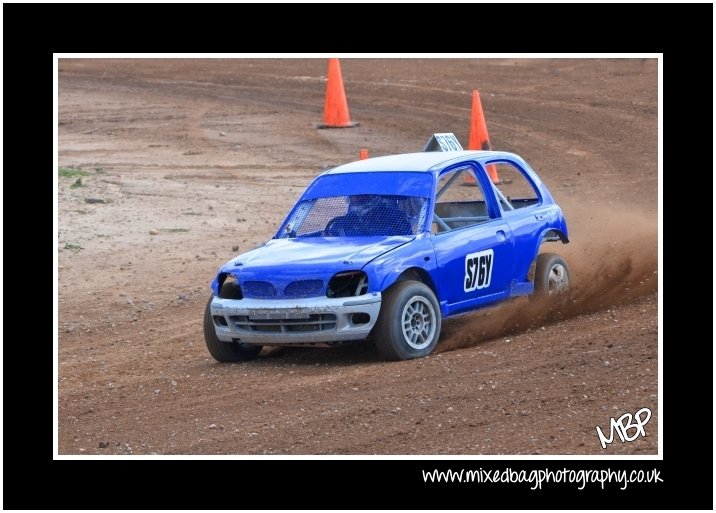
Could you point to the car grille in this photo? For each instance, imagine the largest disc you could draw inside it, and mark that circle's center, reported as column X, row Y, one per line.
column 313, row 322
column 303, row 288
column 258, row 289
column 294, row 290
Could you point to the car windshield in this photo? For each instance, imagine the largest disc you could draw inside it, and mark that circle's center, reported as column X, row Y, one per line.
column 359, row 215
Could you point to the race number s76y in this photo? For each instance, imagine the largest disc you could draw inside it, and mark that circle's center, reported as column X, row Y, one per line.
column 478, row 270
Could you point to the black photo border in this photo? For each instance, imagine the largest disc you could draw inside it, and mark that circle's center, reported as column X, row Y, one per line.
column 34, row 32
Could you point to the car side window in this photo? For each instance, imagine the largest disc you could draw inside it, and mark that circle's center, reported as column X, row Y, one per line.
column 459, row 201
column 515, row 191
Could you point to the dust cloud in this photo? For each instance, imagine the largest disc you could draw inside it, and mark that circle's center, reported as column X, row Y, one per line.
column 612, row 256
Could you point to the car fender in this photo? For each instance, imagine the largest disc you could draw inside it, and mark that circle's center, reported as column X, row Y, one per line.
column 555, row 229
column 555, row 226
column 385, row 270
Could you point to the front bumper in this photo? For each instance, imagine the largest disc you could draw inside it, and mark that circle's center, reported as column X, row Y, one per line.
column 312, row 321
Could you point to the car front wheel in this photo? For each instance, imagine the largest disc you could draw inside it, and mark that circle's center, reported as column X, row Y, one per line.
column 225, row 352
column 409, row 322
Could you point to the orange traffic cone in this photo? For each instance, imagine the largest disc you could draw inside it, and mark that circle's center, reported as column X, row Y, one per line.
column 479, row 140
column 335, row 112
column 363, row 153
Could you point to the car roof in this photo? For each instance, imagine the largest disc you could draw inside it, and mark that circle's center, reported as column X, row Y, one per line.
column 424, row 161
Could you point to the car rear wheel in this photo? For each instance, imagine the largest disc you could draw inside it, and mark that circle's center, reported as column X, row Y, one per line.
column 225, row 352
column 409, row 322
column 552, row 276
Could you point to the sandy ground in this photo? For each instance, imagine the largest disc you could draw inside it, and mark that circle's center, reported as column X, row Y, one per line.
column 212, row 153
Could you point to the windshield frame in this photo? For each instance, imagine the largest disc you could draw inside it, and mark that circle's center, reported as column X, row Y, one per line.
column 419, row 184
column 417, row 213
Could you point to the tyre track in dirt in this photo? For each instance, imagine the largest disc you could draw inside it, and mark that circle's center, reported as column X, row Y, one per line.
column 605, row 127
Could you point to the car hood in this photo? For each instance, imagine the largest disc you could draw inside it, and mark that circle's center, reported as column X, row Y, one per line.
column 282, row 261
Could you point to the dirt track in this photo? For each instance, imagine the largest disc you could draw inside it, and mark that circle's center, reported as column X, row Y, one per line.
column 212, row 154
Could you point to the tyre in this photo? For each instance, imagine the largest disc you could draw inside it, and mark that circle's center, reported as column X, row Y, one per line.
column 408, row 325
column 552, row 277
column 225, row 352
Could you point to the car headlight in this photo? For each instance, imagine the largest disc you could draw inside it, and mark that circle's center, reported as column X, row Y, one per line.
column 230, row 288
column 348, row 284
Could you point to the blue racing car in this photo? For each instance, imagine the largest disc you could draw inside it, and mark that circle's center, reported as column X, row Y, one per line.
column 384, row 248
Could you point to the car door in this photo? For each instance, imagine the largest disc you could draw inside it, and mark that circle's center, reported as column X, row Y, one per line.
column 472, row 243
column 522, row 208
